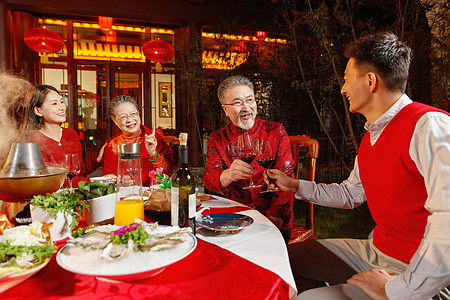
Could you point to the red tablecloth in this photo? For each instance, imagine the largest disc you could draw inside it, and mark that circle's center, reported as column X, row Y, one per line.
column 209, row 272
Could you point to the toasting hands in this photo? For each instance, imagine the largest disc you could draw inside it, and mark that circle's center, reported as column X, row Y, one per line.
column 276, row 179
column 238, row 170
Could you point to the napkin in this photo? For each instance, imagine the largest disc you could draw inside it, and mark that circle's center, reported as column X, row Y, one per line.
column 217, row 210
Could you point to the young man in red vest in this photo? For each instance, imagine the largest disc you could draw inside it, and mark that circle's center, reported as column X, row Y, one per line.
column 402, row 170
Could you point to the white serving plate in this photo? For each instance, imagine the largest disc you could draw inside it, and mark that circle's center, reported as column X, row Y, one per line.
column 137, row 266
column 9, row 280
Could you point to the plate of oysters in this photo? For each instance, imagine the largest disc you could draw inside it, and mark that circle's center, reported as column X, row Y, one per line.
column 126, row 253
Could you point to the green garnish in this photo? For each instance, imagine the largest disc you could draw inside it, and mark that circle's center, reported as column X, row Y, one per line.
column 80, row 231
column 90, row 190
column 136, row 233
column 64, row 202
column 40, row 253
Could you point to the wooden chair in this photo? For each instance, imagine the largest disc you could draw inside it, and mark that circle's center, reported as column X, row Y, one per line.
column 170, row 140
column 303, row 232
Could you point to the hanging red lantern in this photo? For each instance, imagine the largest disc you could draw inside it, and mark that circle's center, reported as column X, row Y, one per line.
column 105, row 23
column 43, row 40
column 158, row 51
column 261, row 35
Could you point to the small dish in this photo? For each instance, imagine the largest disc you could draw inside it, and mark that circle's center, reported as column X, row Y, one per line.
column 225, row 222
column 9, row 280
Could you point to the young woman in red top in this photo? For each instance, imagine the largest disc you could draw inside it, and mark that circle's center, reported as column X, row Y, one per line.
column 48, row 111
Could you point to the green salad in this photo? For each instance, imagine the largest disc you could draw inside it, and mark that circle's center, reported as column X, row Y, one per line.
column 90, row 190
column 63, row 201
column 23, row 247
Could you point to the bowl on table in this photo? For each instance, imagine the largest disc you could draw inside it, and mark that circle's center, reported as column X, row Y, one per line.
column 102, row 179
column 101, row 209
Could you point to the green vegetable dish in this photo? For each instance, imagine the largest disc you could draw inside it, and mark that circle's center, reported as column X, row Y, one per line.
column 91, row 190
column 23, row 248
column 62, row 201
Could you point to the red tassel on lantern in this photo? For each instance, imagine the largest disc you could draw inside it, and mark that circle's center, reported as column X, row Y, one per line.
column 243, row 46
column 105, row 23
column 110, row 37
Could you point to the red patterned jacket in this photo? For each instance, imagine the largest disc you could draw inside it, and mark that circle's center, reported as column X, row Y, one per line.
column 222, row 150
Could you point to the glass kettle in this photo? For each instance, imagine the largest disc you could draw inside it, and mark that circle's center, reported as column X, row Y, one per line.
column 129, row 176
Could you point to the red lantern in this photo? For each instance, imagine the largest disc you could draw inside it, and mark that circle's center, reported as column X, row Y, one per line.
column 158, row 51
column 105, row 23
column 43, row 40
column 261, row 35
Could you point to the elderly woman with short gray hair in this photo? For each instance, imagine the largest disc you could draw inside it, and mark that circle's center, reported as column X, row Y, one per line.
column 155, row 152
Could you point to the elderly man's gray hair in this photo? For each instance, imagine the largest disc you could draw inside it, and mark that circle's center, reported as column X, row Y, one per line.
column 230, row 82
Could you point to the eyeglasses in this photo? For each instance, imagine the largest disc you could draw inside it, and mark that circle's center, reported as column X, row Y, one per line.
column 124, row 117
column 237, row 103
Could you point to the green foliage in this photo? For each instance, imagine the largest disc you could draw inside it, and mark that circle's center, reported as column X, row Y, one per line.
column 298, row 83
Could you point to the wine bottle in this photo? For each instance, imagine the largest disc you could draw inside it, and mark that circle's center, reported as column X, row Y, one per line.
column 183, row 202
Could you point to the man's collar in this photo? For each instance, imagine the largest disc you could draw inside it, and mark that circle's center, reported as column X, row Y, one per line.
column 382, row 121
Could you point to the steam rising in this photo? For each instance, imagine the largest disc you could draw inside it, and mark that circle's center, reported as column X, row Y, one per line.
column 15, row 96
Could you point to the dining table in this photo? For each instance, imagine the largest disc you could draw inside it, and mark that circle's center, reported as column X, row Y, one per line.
column 249, row 264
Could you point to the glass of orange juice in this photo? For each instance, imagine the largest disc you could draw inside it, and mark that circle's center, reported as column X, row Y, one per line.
column 127, row 211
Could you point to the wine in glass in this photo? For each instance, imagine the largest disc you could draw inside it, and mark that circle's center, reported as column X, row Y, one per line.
column 72, row 164
column 247, row 152
column 266, row 159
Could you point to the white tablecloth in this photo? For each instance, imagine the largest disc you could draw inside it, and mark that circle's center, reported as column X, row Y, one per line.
column 261, row 243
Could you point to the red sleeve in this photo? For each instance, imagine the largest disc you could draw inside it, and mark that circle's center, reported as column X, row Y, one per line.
column 282, row 203
column 109, row 161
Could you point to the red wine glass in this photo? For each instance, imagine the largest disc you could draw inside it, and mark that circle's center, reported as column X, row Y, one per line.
column 247, row 153
column 72, row 164
column 266, row 159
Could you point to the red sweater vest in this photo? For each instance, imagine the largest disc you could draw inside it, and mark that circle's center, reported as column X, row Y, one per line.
column 394, row 187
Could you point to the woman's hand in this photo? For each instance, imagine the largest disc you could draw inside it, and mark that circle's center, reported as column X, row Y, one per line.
column 151, row 143
column 101, row 154
column 113, row 178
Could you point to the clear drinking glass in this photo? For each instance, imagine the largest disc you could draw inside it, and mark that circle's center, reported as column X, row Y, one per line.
column 266, row 159
column 247, row 152
column 72, row 164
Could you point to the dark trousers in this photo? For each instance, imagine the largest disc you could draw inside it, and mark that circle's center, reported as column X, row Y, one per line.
column 313, row 264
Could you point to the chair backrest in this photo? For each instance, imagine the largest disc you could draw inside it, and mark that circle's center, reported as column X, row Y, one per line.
column 173, row 143
column 170, row 140
column 313, row 151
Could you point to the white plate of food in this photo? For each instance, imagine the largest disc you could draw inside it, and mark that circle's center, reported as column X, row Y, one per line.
column 29, row 252
column 132, row 261
column 9, row 280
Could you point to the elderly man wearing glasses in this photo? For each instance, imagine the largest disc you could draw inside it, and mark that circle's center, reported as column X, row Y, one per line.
column 124, row 112
column 226, row 171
